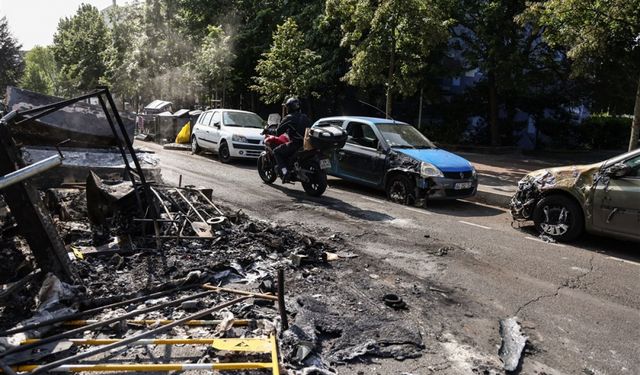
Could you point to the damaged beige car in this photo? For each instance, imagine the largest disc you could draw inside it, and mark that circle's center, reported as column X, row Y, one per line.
column 602, row 198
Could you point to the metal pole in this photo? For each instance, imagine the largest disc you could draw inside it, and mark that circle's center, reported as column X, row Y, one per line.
column 241, row 292
column 191, row 323
column 30, row 171
column 72, row 332
column 156, row 367
column 281, row 306
column 91, row 311
column 133, row 339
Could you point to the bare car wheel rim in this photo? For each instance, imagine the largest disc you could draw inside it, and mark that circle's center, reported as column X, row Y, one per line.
column 556, row 220
column 398, row 192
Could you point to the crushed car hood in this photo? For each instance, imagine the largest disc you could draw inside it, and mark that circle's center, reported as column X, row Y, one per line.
column 577, row 180
column 443, row 160
column 568, row 177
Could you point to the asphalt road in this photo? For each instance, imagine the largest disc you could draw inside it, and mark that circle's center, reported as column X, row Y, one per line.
column 579, row 304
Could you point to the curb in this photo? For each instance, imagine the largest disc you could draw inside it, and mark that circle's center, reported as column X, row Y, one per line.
column 177, row 146
column 492, row 198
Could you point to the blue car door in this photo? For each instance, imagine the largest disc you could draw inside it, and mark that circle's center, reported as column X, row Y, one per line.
column 361, row 159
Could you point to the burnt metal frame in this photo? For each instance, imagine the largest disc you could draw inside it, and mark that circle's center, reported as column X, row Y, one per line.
column 100, row 93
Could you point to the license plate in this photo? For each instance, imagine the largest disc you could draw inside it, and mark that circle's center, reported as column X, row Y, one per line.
column 463, row 185
column 325, row 164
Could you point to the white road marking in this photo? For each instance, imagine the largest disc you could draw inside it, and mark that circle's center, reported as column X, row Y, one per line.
column 418, row 211
column 624, row 261
column 486, row 205
column 548, row 243
column 473, row 224
column 373, row 200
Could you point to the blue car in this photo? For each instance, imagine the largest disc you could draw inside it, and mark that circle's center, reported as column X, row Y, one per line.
column 395, row 157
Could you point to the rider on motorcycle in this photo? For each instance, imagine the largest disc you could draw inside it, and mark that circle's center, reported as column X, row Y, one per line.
column 294, row 124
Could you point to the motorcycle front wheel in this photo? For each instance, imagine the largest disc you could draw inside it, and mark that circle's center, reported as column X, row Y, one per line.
column 317, row 181
column 266, row 169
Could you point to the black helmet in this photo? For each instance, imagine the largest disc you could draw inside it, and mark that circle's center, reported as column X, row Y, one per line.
column 293, row 104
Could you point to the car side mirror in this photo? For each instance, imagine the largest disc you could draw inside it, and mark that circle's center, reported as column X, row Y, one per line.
column 617, row 170
column 217, row 125
column 381, row 148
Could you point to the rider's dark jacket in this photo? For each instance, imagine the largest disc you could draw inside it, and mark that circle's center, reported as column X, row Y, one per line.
column 294, row 125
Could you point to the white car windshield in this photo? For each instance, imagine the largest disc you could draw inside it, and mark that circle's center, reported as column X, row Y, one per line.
column 403, row 136
column 242, row 120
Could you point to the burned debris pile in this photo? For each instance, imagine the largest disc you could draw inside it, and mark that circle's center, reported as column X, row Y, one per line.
column 112, row 274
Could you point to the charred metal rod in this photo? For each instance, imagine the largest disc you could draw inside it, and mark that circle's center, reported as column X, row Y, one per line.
column 281, row 306
column 147, row 322
column 164, row 206
column 30, row 171
column 241, row 292
column 6, row 369
column 80, row 314
column 191, row 206
column 72, row 332
column 184, row 237
column 210, row 202
column 133, row 339
column 155, row 367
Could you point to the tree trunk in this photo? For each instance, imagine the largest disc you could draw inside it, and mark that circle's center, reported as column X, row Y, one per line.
column 635, row 126
column 392, row 67
column 420, row 109
column 493, row 109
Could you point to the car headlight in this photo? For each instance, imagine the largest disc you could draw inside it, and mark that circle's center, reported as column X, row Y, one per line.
column 239, row 138
column 429, row 170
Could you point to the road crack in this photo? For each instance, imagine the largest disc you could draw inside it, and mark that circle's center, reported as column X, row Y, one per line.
column 570, row 283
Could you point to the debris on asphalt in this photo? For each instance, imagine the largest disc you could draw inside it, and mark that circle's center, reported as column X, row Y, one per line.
column 513, row 343
column 394, row 301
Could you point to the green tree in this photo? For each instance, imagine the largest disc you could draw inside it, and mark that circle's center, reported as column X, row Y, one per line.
column 122, row 72
column 11, row 63
column 78, row 45
column 40, row 71
column 595, row 33
column 390, row 41
column 520, row 70
column 287, row 68
column 213, row 62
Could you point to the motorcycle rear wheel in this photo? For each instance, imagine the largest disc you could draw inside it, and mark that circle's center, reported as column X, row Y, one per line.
column 266, row 170
column 317, row 181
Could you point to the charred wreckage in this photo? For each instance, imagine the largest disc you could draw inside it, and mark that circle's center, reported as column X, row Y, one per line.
column 107, row 263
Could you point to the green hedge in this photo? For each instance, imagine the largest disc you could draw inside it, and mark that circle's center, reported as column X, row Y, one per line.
column 606, row 132
column 599, row 131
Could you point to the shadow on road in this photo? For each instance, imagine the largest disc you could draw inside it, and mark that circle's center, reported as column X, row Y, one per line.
column 238, row 163
column 456, row 208
column 459, row 208
column 333, row 204
column 624, row 250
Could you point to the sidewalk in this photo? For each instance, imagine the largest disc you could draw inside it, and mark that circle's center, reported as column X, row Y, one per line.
column 498, row 175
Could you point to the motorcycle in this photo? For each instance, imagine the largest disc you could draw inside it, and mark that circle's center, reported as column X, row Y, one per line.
column 306, row 166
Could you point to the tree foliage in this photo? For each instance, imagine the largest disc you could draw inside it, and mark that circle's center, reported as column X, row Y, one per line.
column 288, row 68
column 596, row 34
column 520, row 71
column 11, row 63
column 213, row 61
column 40, row 74
column 122, row 70
column 78, row 45
column 389, row 40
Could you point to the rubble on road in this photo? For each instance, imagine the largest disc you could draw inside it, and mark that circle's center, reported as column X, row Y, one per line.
column 151, row 264
column 513, row 343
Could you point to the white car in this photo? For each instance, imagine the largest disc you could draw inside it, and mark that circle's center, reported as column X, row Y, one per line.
column 228, row 132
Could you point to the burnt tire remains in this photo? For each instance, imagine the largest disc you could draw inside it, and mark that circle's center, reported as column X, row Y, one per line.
column 401, row 189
